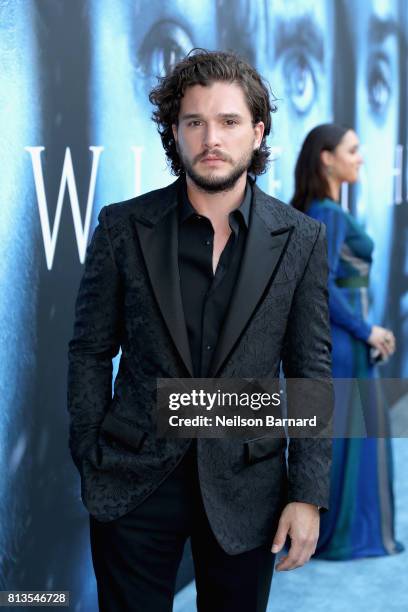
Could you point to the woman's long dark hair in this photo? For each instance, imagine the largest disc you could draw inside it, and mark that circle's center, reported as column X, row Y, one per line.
column 310, row 180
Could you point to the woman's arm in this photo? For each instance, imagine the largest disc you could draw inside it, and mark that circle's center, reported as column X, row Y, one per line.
column 340, row 312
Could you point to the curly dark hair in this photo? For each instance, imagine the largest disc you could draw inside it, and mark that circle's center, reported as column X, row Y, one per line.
column 202, row 67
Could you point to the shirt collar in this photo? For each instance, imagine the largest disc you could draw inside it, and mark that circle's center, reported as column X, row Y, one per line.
column 243, row 210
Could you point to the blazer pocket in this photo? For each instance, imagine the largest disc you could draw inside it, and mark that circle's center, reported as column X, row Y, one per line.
column 123, row 431
column 263, row 448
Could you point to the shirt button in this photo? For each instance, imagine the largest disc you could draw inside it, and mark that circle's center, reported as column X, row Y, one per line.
column 198, row 217
column 208, row 242
column 208, row 347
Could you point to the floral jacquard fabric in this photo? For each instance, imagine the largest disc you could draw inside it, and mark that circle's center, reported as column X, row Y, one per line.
column 279, row 315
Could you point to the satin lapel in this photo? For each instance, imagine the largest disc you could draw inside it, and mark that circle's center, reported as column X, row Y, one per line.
column 264, row 250
column 159, row 244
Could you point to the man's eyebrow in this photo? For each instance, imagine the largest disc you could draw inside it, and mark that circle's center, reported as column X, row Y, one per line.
column 229, row 115
column 188, row 116
column 379, row 29
column 299, row 32
column 191, row 116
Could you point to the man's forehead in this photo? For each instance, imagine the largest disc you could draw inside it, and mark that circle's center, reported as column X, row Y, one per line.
column 219, row 97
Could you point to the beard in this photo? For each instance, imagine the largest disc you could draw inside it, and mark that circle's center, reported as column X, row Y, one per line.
column 212, row 183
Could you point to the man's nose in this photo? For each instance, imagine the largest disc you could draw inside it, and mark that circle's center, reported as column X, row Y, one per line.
column 211, row 136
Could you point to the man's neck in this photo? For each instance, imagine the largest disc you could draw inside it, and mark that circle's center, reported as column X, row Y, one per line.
column 216, row 206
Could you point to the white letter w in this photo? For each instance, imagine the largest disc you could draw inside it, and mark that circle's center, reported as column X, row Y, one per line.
column 67, row 179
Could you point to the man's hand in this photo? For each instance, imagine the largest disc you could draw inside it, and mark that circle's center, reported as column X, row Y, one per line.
column 301, row 522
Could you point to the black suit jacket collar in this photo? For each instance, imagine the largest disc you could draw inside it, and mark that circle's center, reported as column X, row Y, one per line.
column 156, row 221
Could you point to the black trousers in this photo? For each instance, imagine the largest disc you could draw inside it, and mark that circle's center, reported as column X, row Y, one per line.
column 136, row 557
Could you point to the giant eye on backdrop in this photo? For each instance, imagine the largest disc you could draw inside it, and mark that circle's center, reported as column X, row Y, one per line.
column 379, row 83
column 299, row 75
column 164, row 45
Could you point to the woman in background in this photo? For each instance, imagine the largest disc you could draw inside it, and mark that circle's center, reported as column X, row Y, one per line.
column 360, row 521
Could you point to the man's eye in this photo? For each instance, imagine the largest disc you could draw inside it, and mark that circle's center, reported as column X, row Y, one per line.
column 301, row 83
column 163, row 46
column 231, row 122
column 378, row 83
column 195, row 123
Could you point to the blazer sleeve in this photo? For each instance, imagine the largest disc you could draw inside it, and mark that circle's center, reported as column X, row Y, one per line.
column 307, row 354
column 340, row 312
column 95, row 341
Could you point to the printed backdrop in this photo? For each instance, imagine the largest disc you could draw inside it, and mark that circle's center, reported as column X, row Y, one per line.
column 75, row 134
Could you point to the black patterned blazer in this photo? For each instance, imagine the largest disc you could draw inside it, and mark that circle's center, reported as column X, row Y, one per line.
column 129, row 299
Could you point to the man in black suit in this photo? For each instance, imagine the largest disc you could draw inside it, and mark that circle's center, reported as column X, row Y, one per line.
column 209, row 277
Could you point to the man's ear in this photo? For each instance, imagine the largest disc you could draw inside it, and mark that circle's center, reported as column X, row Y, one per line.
column 174, row 128
column 259, row 129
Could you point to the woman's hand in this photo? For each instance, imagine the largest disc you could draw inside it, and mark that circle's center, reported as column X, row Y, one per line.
column 383, row 340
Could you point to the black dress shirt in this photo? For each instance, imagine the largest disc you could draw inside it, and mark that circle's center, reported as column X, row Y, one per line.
column 206, row 295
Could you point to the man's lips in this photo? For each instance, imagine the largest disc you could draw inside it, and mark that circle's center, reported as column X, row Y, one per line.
column 211, row 158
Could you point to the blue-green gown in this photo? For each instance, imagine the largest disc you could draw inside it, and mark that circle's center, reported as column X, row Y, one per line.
column 360, row 521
